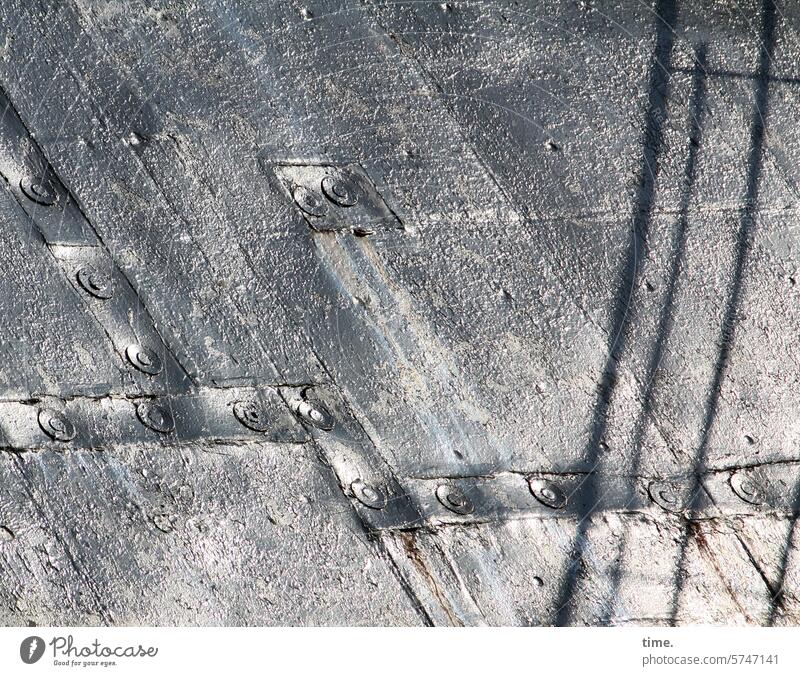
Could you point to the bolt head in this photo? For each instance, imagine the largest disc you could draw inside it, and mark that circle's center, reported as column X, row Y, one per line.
column 368, row 495
column 454, row 499
column 548, row 493
column 313, row 414
column 94, row 282
column 155, row 417
column 668, row 495
column 55, row 425
column 144, row 359
column 251, row 415
column 340, row 190
column 309, row 201
column 749, row 488
column 39, row 189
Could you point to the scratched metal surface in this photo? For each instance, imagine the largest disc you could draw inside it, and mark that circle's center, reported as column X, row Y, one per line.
column 366, row 312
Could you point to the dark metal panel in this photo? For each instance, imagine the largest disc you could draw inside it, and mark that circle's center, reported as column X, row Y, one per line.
column 719, row 583
column 757, row 409
column 336, row 198
column 772, row 546
column 558, row 126
column 701, row 163
column 550, row 94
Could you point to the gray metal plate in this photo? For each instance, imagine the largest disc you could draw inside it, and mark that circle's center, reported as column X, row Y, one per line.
column 240, row 535
column 573, row 259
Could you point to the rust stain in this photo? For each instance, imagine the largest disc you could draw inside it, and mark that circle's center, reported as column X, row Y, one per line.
column 408, row 541
column 696, row 531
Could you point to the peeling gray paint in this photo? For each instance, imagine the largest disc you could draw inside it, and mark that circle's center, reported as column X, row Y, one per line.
column 564, row 251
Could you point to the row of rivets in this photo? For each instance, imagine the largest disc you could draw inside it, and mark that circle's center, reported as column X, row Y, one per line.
column 155, row 417
column 58, row 427
column 669, row 494
column 337, row 189
column 159, row 419
column 99, row 284
column 455, row 500
column 251, row 415
column 546, row 492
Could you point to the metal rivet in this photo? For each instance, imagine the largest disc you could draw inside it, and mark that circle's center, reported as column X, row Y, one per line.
column 156, row 417
column 368, row 495
column 548, row 493
column 313, row 414
column 454, row 499
column 144, row 359
column 309, row 201
column 748, row 488
column 339, row 191
column 39, row 190
column 250, row 414
column 55, row 425
column 94, row 282
column 667, row 495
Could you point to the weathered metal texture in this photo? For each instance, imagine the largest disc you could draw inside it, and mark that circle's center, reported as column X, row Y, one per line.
column 398, row 312
column 251, row 534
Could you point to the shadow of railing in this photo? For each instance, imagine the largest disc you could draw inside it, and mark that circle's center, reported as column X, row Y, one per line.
column 665, row 320
column 653, row 140
column 744, row 243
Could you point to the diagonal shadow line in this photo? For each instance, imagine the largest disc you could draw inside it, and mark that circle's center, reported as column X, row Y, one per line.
column 653, row 141
column 744, row 243
column 776, row 599
column 665, row 321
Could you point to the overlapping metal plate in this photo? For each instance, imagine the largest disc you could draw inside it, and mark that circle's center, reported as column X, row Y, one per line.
column 341, row 312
